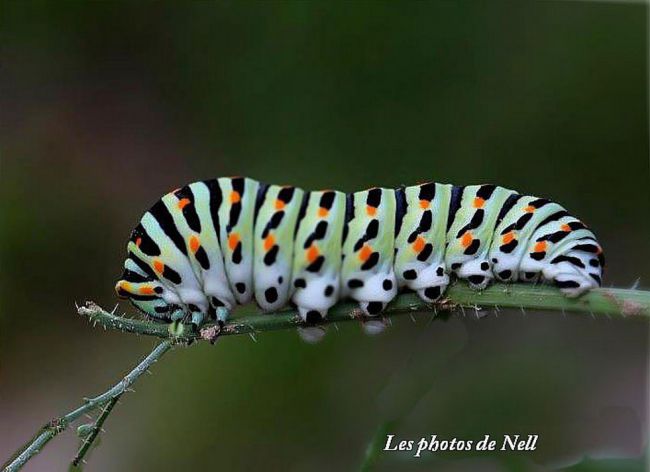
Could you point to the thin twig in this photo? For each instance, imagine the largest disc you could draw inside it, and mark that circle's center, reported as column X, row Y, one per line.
column 95, row 430
column 60, row 424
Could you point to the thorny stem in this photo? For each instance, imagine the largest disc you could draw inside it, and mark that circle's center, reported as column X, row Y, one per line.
column 94, row 432
column 616, row 303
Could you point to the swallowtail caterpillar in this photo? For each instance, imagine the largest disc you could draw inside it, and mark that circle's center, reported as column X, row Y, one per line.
column 206, row 247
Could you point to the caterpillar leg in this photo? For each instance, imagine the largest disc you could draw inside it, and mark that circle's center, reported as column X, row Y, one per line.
column 372, row 308
column 430, row 283
column 196, row 306
column 375, row 292
column 222, row 314
column 310, row 315
column 177, row 314
column 219, row 310
column 197, row 318
column 311, row 334
column 477, row 272
column 431, row 294
column 313, row 296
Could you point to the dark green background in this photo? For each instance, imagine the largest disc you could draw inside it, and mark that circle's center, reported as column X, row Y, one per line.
column 106, row 106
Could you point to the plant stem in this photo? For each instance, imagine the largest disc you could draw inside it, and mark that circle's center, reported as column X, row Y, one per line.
column 618, row 303
column 60, row 424
column 96, row 429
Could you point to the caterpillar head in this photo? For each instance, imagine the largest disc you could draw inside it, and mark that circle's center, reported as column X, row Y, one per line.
column 145, row 293
column 145, row 297
column 372, row 308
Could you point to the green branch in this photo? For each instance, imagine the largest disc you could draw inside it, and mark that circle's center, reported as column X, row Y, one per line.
column 89, row 435
column 615, row 303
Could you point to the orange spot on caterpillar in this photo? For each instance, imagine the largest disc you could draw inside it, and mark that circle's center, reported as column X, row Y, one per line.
column 269, row 242
column 194, row 244
column 279, row 204
column 419, row 244
column 323, row 212
column 467, row 239
column 371, row 210
column 235, row 197
column 479, row 202
column 424, row 204
column 540, row 246
column 509, row 236
column 529, row 209
column 147, row 290
column 365, row 252
column 599, row 250
column 183, row 202
column 312, row 253
column 233, row 240
column 138, row 242
column 158, row 266
column 566, row 228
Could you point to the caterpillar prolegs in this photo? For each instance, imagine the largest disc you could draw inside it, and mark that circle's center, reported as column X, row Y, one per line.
column 204, row 248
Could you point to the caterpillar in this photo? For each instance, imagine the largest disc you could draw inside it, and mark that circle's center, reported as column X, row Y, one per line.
column 204, row 248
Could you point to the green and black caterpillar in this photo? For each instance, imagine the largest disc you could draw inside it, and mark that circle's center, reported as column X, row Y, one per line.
column 206, row 247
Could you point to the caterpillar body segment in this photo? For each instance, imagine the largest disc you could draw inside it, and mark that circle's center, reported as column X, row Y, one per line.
column 421, row 239
column 316, row 275
column 522, row 216
column 232, row 206
column 471, row 231
column 367, row 273
column 273, row 245
column 206, row 247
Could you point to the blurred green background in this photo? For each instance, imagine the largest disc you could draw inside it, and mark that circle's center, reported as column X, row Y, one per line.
column 106, row 106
